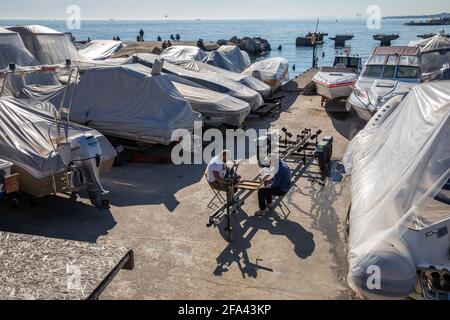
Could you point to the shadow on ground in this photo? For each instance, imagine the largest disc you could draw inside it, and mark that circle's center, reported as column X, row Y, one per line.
column 56, row 217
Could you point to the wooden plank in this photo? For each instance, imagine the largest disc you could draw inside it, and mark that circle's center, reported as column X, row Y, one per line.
column 12, row 183
column 34, row 267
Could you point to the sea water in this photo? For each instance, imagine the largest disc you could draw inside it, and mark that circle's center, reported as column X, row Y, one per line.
column 277, row 32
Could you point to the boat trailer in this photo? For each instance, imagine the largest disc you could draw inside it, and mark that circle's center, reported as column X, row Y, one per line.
column 303, row 151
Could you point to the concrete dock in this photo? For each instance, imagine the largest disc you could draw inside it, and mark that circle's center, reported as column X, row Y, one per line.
column 160, row 212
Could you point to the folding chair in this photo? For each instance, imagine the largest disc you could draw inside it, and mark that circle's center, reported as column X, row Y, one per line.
column 281, row 204
column 217, row 195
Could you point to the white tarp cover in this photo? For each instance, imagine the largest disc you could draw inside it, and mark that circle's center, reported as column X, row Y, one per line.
column 435, row 57
column 393, row 167
column 27, row 132
column 248, row 81
column 219, row 59
column 49, row 46
column 129, row 104
column 13, row 51
column 212, row 81
column 239, row 58
column 100, row 49
column 177, row 53
column 271, row 71
column 335, row 76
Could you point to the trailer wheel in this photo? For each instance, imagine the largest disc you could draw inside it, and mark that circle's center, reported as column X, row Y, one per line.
column 324, row 163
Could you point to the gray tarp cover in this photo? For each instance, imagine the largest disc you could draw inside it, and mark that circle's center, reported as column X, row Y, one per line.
column 216, row 107
column 13, row 51
column 49, row 46
column 212, row 81
column 177, row 53
column 100, row 49
column 238, row 58
column 219, row 59
column 27, row 132
column 273, row 71
column 126, row 102
column 247, row 80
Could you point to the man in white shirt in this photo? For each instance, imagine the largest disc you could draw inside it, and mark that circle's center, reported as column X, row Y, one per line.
column 217, row 169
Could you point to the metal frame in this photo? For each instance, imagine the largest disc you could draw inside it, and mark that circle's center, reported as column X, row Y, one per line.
column 305, row 148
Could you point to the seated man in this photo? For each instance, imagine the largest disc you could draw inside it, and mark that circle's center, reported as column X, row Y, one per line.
column 278, row 186
column 217, row 169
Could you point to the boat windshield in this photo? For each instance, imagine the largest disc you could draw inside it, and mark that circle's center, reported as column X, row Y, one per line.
column 349, row 62
column 377, row 59
column 407, row 72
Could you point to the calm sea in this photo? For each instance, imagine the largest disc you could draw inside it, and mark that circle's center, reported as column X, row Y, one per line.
column 278, row 32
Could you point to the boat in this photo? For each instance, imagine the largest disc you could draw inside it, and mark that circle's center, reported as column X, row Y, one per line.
column 307, row 40
column 400, row 216
column 50, row 153
column 389, row 71
column 247, row 80
column 100, row 49
column 49, row 46
column 210, row 80
column 219, row 59
column 181, row 53
column 239, row 58
column 337, row 82
column 13, row 51
column 272, row 71
column 435, row 56
column 130, row 104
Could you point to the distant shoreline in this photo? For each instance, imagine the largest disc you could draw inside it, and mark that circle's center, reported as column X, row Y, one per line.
column 430, row 16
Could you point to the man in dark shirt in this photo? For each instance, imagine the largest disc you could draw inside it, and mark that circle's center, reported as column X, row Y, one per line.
column 278, row 186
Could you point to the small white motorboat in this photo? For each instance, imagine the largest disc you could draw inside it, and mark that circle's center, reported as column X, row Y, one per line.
column 336, row 82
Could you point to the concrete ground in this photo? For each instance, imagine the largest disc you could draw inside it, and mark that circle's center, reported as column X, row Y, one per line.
column 160, row 212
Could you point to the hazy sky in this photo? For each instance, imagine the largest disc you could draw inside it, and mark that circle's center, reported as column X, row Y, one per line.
column 213, row 9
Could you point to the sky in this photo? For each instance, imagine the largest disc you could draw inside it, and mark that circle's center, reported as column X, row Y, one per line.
column 213, row 9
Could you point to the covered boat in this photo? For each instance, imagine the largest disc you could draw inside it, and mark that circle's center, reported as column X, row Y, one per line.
column 248, row 81
column 130, row 103
column 13, row 51
column 216, row 108
column 219, row 59
column 212, row 81
column 50, row 156
column 387, row 70
column 100, row 49
column 180, row 53
column 240, row 59
column 49, row 46
column 400, row 214
column 272, row 71
column 435, row 57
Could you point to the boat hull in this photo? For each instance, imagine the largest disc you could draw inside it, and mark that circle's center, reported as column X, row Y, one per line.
column 333, row 93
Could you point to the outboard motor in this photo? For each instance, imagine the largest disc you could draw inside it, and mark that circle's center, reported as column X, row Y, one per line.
column 83, row 157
